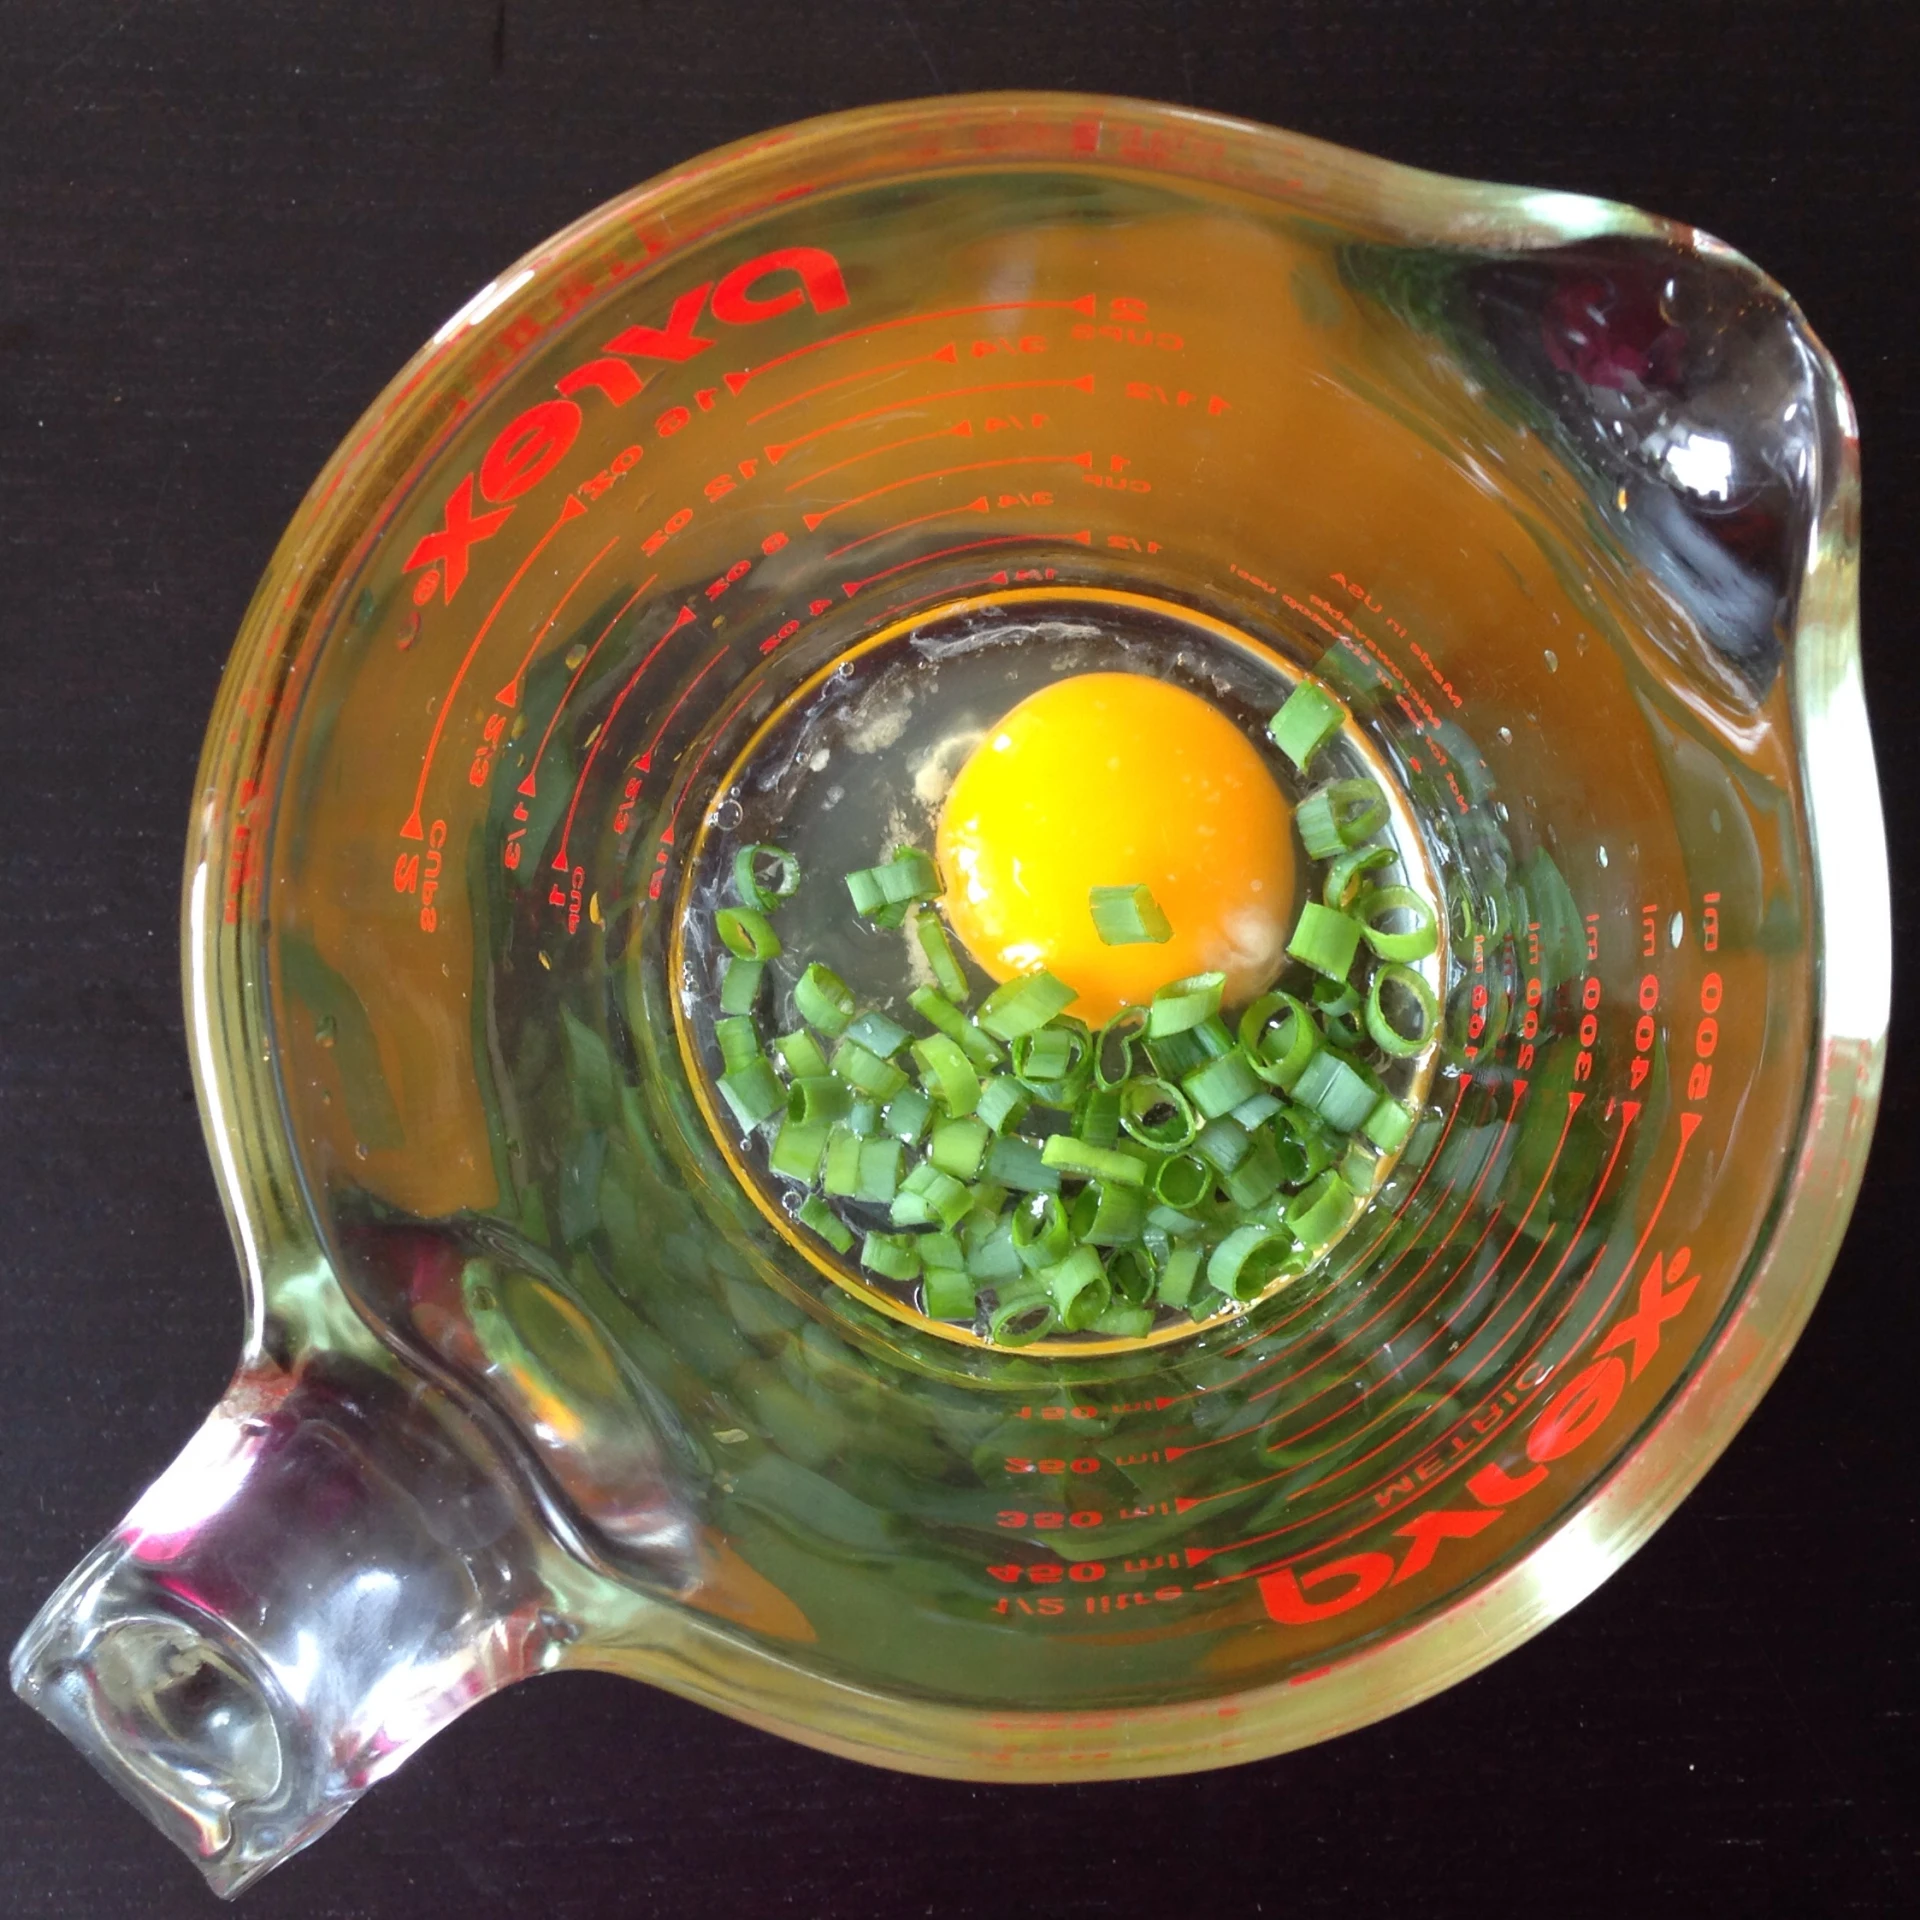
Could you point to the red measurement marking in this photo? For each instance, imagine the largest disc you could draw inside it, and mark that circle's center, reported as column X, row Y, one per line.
column 412, row 830
column 693, row 772
column 850, row 587
column 1082, row 383
column 645, row 762
column 945, row 513
column 1084, row 306
column 813, row 520
column 509, row 695
column 683, row 618
column 947, row 355
column 527, row 785
column 961, row 430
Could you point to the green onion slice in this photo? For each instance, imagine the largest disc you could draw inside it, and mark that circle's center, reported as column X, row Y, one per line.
column 739, row 1042
column 878, row 1034
column 1335, row 1091
column 753, row 1092
column 1185, row 1003
column 1067, row 1155
column 1388, row 1037
column 1221, row 1085
column 1106, row 1215
column 1340, row 815
column 907, row 877
column 1003, row 1103
column 1182, row 1182
column 1249, row 1260
column 1131, row 1271
column 740, row 984
column 797, row 1147
column 799, row 1053
column 1128, row 916
column 1278, row 1050
column 947, row 1073
column 894, row 1256
column 1346, row 877
column 824, row 1001
column 941, row 1014
column 1305, row 723
column 1024, row 1004
column 746, row 932
column 821, row 1097
column 757, row 888
column 841, row 1175
column 958, row 1146
column 1414, row 943
column 1319, row 1213
column 816, row 1214
column 1388, row 1125
column 1022, row 1318
column 1113, row 1049
column 1079, row 1287
column 1098, row 1121
column 879, row 1178
column 1019, row 1164
column 942, row 962
column 948, row 1294
column 1041, row 1234
column 1324, row 940
column 1156, row 1113
column 1177, row 1276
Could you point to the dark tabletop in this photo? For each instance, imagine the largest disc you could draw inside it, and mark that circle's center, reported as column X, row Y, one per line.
column 222, row 227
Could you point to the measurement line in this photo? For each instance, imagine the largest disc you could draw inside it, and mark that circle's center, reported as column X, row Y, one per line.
column 684, row 618
column 527, row 785
column 509, row 695
column 412, row 829
column 978, row 505
column 1084, row 460
column 1083, row 538
column 947, row 355
column 1084, row 306
column 962, row 430
column 645, row 762
column 778, row 451
column 693, row 772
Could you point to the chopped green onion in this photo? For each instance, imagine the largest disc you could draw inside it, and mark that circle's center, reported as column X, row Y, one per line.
column 863, row 1117
column 879, row 1171
column 878, row 1034
column 894, row 1256
column 1156, row 1113
column 818, row 1097
column 1335, row 1091
column 906, row 1115
column 764, row 895
column 740, row 984
column 821, row 1218
column 1256, row 1175
column 1043, row 1056
column 941, row 1014
column 1278, row 1054
column 990, row 1256
column 1324, row 940
column 1041, row 1234
column 1417, row 942
column 738, row 1040
column 1220, row 1085
column 800, row 1054
column 1021, row 1319
column 1249, row 1260
column 1128, row 917
column 1024, row 1004
column 1177, row 1276
column 1344, row 877
column 949, row 1294
column 1386, row 1036
column 1305, row 723
column 823, row 1000
column 1185, row 1003
column 947, row 1073
column 1131, row 1271
column 1003, row 1102
column 945, row 967
column 1256, row 1110
column 862, row 1068
column 1079, row 1287
column 939, row 1250
column 1175, row 1055
column 1319, row 1213
column 958, row 1146
column 744, row 931
column 1106, row 1215
column 1113, row 1050
column 1171, row 1225
column 1122, row 1322
column 1360, row 1168
column 841, row 1176
column 908, row 876
column 1223, row 1144
column 927, row 1194
column 1339, row 816
column 1098, row 1121
column 1388, row 1125
column 1182, row 1182
column 1068, row 1155
column 797, row 1147
column 1309, row 1133
column 1020, row 1164
column 753, row 1092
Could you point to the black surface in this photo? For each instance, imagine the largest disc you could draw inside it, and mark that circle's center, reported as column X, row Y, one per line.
column 222, row 227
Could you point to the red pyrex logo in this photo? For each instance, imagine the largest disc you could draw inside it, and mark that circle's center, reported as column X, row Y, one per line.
column 533, row 443
column 1572, row 1416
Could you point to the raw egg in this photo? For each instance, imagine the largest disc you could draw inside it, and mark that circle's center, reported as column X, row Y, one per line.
column 1110, row 780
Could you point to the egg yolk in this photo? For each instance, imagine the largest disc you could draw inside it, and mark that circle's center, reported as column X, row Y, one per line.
column 1107, row 780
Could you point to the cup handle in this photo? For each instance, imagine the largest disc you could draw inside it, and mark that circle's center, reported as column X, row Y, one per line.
column 332, row 1570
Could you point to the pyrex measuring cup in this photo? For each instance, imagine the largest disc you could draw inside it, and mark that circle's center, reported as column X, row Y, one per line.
column 1557, row 498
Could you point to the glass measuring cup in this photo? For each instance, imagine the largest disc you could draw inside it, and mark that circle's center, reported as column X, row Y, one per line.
column 1558, row 497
